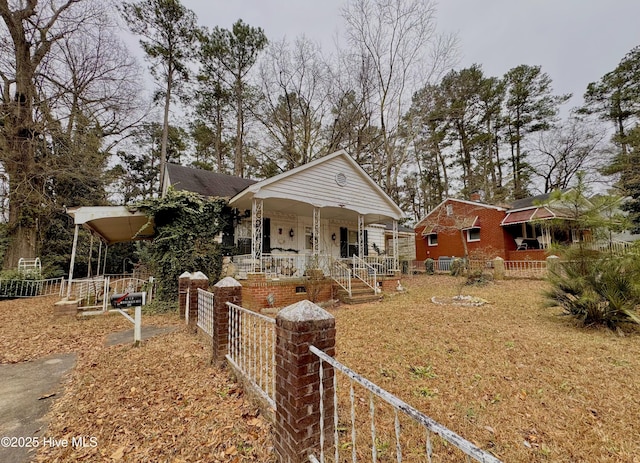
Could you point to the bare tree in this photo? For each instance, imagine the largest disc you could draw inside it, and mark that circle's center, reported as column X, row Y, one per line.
column 560, row 153
column 64, row 89
column 294, row 101
column 397, row 42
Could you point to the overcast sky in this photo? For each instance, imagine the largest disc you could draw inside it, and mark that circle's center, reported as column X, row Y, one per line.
column 575, row 41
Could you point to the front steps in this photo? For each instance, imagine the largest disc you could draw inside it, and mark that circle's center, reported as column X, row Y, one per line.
column 360, row 293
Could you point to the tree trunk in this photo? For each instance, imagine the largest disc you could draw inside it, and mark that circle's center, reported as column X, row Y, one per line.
column 165, row 128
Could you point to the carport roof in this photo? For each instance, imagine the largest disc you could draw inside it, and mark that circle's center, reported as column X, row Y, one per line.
column 114, row 224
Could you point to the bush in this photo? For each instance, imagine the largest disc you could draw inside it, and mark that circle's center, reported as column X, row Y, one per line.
column 430, row 266
column 457, row 267
column 597, row 291
column 187, row 226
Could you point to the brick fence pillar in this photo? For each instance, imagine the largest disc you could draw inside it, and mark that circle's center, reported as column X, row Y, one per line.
column 226, row 290
column 198, row 280
column 297, row 426
column 184, row 281
column 498, row 268
column 552, row 263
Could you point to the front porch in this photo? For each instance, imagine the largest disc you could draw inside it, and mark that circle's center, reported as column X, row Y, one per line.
column 323, row 219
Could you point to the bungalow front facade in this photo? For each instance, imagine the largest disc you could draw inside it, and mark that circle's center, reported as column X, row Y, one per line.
column 326, row 215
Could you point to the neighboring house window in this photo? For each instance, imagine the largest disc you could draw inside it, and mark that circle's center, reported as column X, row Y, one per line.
column 432, row 239
column 449, row 209
column 473, row 234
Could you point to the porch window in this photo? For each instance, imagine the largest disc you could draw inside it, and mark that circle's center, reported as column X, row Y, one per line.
column 473, row 234
column 432, row 239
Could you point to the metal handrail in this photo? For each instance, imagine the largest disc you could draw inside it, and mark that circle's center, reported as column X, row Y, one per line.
column 365, row 272
column 400, row 406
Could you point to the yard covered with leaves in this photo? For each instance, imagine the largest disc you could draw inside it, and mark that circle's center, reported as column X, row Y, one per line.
column 511, row 376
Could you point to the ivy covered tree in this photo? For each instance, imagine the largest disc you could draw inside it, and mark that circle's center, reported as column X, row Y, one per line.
column 187, row 227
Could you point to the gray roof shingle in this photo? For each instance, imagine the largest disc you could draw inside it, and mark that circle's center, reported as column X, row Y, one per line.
column 205, row 182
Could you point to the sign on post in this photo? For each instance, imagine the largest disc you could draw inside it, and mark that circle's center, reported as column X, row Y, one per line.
column 128, row 300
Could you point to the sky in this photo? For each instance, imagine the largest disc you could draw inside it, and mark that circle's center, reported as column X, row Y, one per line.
column 574, row 41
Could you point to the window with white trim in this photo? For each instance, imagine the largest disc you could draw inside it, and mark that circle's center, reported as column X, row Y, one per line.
column 432, row 239
column 473, row 234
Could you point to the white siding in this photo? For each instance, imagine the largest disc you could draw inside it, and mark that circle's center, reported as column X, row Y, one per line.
column 318, row 186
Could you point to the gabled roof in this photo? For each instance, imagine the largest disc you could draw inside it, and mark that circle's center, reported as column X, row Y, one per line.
column 531, row 201
column 425, row 219
column 205, row 182
column 326, row 182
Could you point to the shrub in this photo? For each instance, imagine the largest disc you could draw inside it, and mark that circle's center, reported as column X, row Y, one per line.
column 187, row 226
column 457, row 267
column 430, row 266
column 597, row 290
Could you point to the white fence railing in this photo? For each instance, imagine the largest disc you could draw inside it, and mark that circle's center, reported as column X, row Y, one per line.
column 94, row 292
column 365, row 272
column 31, row 288
column 377, row 444
column 341, row 274
column 205, row 311
column 384, row 265
column 525, row 268
column 252, row 342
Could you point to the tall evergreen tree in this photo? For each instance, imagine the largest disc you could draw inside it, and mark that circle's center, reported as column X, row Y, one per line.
column 235, row 52
column 168, row 32
column 530, row 107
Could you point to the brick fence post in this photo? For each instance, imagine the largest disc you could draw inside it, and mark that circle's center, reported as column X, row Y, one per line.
column 198, row 280
column 184, row 281
column 553, row 262
column 226, row 290
column 498, row 268
column 297, row 426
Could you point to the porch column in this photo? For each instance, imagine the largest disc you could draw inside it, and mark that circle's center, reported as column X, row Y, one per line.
column 316, row 232
column 104, row 264
column 396, row 261
column 89, row 273
column 73, row 260
column 256, row 233
column 99, row 258
column 361, row 236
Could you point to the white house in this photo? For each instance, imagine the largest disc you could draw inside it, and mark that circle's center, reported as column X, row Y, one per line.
column 321, row 214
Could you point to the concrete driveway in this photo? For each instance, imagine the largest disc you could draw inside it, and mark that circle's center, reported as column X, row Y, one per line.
column 26, row 392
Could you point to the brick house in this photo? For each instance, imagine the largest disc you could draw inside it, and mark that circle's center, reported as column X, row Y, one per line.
column 523, row 230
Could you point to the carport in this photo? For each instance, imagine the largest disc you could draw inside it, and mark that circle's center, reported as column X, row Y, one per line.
column 111, row 224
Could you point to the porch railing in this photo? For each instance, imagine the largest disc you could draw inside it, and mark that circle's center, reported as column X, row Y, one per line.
column 376, row 437
column 384, row 265
column 252, row 341
column 365, row 272
column 341, row 274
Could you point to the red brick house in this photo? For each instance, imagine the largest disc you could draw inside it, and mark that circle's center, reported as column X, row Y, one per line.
column 456, row 223
column 522, row 230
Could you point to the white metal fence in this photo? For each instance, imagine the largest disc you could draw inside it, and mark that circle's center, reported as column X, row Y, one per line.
column 205, row 311
column 525, row 268
column 31, row 288
column 389, row 442
column 252, row 341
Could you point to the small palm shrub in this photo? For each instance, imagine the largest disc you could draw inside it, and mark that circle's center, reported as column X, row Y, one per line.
column 597, row 290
